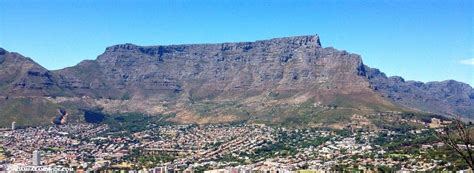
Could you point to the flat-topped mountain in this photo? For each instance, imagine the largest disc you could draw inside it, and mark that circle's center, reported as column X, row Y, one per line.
column 216, row 70
column 292, row 79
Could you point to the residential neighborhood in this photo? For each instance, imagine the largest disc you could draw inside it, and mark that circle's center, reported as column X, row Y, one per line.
column 219, row 148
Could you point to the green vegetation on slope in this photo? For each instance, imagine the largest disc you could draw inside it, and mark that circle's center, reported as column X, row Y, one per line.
column 27, row 111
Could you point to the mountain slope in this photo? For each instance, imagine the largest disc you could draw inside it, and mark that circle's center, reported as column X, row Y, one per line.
column 446, row 97
column 193, row 80
column 21, row 76
column 278, row 80
column 282, row 64
column 24, row 88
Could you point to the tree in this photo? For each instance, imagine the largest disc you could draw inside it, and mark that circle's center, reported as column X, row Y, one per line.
column 457, row 136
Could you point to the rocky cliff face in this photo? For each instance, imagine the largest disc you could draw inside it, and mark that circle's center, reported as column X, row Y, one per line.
column 445, row 97
column 272, row 80
column 209, row 70
column 21, row 76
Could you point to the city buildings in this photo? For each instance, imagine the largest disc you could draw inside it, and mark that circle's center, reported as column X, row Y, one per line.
column 239, row 148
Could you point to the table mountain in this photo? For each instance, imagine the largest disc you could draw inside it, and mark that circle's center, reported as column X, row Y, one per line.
column 292, row 79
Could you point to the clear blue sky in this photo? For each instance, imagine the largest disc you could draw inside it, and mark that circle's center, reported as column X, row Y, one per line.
column 418, row 40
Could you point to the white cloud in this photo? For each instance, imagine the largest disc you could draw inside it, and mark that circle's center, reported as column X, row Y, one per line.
column 467, row 61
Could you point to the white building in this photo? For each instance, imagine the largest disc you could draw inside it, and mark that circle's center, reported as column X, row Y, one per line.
column 36, row 158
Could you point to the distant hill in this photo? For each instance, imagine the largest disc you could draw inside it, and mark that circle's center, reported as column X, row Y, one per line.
column 282, row 80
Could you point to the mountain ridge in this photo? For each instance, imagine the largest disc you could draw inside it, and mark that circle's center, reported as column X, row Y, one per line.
column 268, row 80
